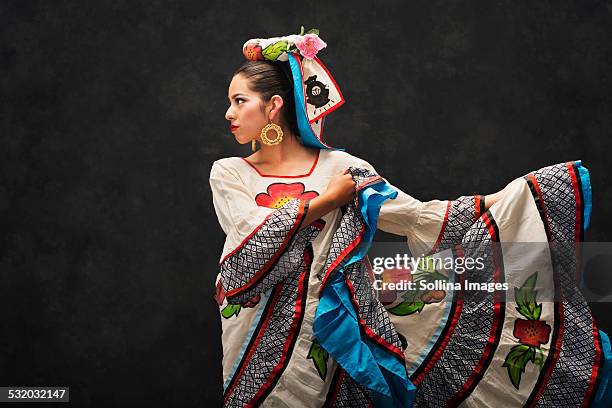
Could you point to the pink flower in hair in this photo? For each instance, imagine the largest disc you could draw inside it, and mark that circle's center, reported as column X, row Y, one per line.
column 309, row 45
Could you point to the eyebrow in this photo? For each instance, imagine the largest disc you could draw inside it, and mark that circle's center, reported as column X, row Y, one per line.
column 237, row 94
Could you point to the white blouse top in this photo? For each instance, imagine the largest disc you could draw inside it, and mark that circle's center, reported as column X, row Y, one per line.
column 243, row 197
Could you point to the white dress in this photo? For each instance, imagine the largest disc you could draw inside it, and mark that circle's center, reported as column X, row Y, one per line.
column 270, row 356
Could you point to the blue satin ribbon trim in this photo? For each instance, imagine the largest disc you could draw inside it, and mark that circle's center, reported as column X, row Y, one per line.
column 336, row 325
column 587, row 204
column 585, row 182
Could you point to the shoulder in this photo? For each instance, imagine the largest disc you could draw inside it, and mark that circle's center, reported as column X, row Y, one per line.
column 226, row 163
column 226, row 166
column 345, row 159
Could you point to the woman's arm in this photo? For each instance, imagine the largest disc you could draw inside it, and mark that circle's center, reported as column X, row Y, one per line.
column 491, row 199
column 317, row 208
column 432, row 225
column 340, row 191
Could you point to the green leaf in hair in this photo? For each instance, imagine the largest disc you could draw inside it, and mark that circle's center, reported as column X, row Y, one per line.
column 273, row 51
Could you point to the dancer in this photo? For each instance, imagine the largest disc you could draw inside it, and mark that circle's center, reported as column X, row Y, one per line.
column 304, row 326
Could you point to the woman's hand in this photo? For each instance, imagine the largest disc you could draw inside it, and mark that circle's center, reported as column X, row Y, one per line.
column 341, row 189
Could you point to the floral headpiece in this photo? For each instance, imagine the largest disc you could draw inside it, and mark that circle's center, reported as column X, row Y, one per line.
column 315, row 90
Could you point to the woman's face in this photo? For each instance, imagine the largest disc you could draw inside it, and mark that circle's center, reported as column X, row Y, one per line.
column 245, row 111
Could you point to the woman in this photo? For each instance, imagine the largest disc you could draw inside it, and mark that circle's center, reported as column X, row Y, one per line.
column 302, row 323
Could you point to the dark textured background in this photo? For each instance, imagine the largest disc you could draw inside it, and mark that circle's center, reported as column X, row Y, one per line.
column 111, row 116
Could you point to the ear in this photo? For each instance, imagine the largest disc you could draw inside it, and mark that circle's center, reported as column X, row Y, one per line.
column 275, row 104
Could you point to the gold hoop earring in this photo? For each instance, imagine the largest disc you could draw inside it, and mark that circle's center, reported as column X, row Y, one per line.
column 264, row 134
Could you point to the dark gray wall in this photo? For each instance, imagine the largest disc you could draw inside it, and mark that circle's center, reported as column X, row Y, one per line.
column 111, row 116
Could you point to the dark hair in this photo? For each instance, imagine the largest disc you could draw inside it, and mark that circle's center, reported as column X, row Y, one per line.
column 269, row 78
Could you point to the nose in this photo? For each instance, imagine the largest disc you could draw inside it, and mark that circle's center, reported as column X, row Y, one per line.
column 229, row 114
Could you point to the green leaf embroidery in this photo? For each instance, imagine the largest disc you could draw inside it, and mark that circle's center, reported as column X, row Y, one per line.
column 537, row 312
column 319, row 356
column 313, row 31
column 427, row 264
column 273, row 51
column 407, row 308
column 516, row 361
column 230, row 310
column 525, row 298
column 521, row 354
column 539, row 358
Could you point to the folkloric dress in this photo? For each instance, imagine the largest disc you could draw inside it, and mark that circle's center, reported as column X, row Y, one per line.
column 303, row 325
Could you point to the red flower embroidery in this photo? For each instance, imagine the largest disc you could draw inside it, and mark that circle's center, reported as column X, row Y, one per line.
column 252, row 302
column 433, row 296
column 531, row 332
column 395, row 275
column 281, row 193
column 252, row 52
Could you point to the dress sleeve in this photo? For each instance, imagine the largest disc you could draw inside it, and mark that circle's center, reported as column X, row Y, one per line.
column 429, row 226
column 262, row 245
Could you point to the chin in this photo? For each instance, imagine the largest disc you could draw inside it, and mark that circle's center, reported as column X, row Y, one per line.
column 242, row 140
